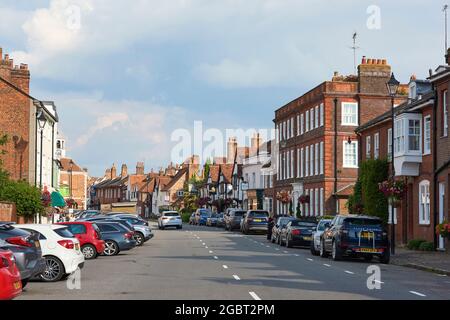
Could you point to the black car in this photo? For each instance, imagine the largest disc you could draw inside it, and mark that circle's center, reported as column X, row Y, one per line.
column 356, row 236
column 26, row 250
column 279, row 225
column 297, row 233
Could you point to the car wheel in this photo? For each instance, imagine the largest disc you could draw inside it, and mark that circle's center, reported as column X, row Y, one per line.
column 385, row 257
column 179, row 227
column 336, row 252
column 288, row 244
column 54, row 269
column 25, row 282
column 89, row 251
column 323, row 251
column 111, row 248
column 139, row 237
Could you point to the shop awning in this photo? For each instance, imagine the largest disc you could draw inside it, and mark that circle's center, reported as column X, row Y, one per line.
column 58, row 200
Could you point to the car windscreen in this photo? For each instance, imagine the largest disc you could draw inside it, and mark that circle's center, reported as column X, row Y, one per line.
column 64, row 232
column 259, row 214
column 362, row 222
column 171, row 214
column 322, row 224
column 284, row 221
column 297, row 223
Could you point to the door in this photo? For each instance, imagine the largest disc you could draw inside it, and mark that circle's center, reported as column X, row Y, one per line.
column 441, row 244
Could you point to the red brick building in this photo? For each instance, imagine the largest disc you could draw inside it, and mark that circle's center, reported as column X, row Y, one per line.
column 315, row 157
column 73, row 182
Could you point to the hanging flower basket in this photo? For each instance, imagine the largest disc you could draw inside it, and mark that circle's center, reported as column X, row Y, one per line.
column 393, row 190
column 304, row 199
column 70, row 203
column 443, row 230
column 46, row 198
column 284, row 197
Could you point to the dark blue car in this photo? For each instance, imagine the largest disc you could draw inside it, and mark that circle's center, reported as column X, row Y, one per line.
column 117, row 237
column 201, row 216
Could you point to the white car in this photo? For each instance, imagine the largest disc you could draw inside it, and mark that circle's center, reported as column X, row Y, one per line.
column 170, row 219
column 317, row 233
column 60, row 249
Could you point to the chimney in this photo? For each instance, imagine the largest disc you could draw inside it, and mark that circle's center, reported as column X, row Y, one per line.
column 113, row 171
column 1, row 55
column 124, row 171
column 108, row 173
column 256, row 143
column 140, row 168
column 373, row 74
column 231, row 149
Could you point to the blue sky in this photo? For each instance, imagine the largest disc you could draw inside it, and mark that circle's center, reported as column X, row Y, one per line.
column 133, row 71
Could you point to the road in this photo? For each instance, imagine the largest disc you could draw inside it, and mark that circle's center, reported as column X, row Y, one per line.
column 212, row 264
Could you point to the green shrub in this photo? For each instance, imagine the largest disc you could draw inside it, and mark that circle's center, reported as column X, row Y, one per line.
column 185, row 216
column 415, row 244
column 426, row 246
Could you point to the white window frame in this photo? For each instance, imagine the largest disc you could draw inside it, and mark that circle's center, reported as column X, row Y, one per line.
column 445, row 113
column 424, row 202
column 368, row 147
column 347, row 115
column 322, row 203
column 301, row 162
column 316, row 160
column 312, row 118
column 306, row 204
column 292, row 127
column 316, row 201
column 311, row 160
column 302, row 127
column 311, row 203
column 298, row 125
column 345, row 163
column 307, row 121
column 416, row 135
column 427, row 135
column 307, row 162
column 389, row 145
column 322, row 157
column 322, row 114
column 316, row 113
column 376, row 145
column 291, row 160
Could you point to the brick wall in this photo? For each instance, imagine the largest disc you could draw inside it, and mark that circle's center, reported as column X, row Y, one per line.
column 8, row 212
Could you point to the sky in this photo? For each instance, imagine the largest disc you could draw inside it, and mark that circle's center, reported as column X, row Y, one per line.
column 125, row 74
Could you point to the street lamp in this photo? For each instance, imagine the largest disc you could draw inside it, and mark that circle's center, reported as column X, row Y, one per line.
column 392, row 86
column 71, row 177
column 41, row 120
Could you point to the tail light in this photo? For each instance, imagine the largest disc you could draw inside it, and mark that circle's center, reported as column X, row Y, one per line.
column 128, row 235
column 296, row 232
column 250, row 219
column 96, row 235
column 68, row 244
column 165, row 218
column 19, row 241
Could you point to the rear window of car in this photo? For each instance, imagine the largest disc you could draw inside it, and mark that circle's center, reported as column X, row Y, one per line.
column 7, row 231
column 239, row 213
column 258, row 214
column 77, row 228
column 64, row 232
column 171, row 214
column 108, row 227
column 362, row 222
column 297, row 223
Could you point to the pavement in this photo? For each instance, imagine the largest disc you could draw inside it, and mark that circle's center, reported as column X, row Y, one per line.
column 204, row 263
column 438, row 262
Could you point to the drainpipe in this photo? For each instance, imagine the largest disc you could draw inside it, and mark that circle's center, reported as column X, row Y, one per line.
column 435, row 173
column 335, row 149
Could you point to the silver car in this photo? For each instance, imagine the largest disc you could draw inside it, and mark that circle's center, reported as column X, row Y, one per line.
column 315, row 243
column 170, row 219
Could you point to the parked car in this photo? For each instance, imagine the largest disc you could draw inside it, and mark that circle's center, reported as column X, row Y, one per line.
column 255, row 220
column 10, row 284
column 192, row 218
column 142, row 232
column 233, row 219
column 280, row 223
column 212, row 220
column 89, row 236
column 297, row 233
column 317, row 234
column 220, row 220
column 87, row 214
column 135, row 220
column 170, row 219
column 201, row 216
column 355, row 236
column 26, row 249
column 117, row 238
column 60, row 248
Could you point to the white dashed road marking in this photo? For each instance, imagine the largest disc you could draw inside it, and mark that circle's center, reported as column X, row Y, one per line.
column 326, row 265
column 225, row 267
column 417, row 293
column 210, row 251
column 254, row 296
column 349, row 272
column 309, row 259
column 296, row 255
column 236, row 277
column 216, row 257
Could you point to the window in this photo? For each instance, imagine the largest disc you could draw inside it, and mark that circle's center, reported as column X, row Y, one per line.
column 311, row 160
column 298, row 125
column 350, row 154
column 291, row 160
column 311, row 115
column 424, row 202
column 307, row 121
column 444, row 114
column 414, row 135
column 311, row 202
column 298, row 163
column 322, row 157
column 307, row 162
column 390, row 215
column 316, row 201
column 316, row 112
column 306, row 204
column 349, row 114
column 254, row 180
column 292, row 127
column 278, row 133
column 322, row 114
column 389, row 145
column 301, row 162
column 288, row 135
column 368, row 145
column 301, row 124
column 427, row 135
column 398, row 136
column 321, row 201
column 316, row 162
column 376, row 145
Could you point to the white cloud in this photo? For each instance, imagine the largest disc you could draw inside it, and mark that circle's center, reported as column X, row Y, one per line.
column 103, row 122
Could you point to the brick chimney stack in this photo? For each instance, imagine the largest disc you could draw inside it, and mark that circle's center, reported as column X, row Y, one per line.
column 373, row 75
column 140, row 168
column 231, row 149
column 113, row 171
column 124, row 171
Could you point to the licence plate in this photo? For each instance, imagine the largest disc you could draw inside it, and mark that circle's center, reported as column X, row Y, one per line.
column 257, row 220
column 37, row 244
column 307, row 238
column 17, row 285
column 368, row 250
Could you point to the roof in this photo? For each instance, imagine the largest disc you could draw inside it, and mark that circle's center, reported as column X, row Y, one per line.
column 65, row 164
column 214, row 171
column 181, row 173
column 226, row 170
column 404, row 107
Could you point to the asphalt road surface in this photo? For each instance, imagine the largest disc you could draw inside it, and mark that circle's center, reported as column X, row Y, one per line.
column 212, row 264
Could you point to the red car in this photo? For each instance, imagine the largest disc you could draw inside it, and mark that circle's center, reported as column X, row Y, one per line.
column 10, row 284
column 89, row 236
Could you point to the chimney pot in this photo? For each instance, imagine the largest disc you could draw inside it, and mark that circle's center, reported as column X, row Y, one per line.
column 364, row 60
column 384, row 62
column 379, row 61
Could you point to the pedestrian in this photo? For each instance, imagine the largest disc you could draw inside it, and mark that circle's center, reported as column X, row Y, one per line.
column 270, row 225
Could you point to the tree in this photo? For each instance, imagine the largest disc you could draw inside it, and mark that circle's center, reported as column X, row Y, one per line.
column 27, row 198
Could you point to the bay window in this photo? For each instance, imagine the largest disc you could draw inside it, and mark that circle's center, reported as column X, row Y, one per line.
column 427, row 135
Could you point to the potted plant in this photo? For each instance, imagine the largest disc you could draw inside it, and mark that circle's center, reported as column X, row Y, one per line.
column 394, row 190
column 443, row 230
column 284, row 197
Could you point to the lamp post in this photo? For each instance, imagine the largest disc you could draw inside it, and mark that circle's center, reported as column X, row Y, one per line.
column 392, row 86
column 42, row 120
column 71, row 177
